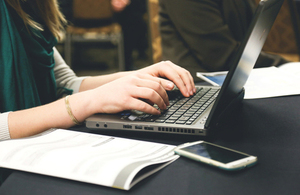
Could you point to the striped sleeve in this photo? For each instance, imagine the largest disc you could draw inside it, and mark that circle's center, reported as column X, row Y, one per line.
column 4, row 131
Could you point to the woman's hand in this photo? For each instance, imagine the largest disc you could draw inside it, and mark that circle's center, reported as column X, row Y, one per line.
column 181, row 77
column 137, row 91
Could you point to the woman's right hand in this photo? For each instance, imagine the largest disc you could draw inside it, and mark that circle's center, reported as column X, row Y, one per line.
column 136, row 91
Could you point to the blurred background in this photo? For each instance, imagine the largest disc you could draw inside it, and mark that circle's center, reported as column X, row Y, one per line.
column 102, row 39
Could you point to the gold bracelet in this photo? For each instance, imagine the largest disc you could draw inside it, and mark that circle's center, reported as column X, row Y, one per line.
column 70, row 111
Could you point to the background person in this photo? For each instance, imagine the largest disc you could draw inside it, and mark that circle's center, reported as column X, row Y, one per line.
column 203, row 35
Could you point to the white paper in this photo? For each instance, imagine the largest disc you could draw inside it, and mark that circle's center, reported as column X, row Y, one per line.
column 97, row 159
column 271, row 81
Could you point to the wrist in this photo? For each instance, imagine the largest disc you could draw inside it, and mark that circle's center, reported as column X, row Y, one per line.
column 69, row 110
column 80, row 106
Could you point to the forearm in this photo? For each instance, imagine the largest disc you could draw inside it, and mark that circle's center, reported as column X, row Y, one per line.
column 54, row 115
column 96, row 81
column 66, row 78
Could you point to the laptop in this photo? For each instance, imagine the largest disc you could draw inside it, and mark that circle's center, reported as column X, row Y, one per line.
column 199, row 114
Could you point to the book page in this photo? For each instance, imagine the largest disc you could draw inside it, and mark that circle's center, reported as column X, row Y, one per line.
column 91, row 158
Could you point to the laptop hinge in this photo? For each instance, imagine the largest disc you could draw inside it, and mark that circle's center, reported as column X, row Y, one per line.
column 225, row 113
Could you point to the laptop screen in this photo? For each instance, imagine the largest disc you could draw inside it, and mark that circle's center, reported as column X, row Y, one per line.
column 245, row 58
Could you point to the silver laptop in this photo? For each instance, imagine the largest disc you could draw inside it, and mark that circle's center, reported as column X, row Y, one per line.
column 199, row 114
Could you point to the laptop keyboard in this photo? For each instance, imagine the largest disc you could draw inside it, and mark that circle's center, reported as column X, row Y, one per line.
column 181, row 110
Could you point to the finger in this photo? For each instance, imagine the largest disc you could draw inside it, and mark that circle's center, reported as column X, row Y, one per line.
column 148, row 101
column 153, row 83
column 185, row 76
column 136, row 104
column 151, row 95
column 168, row 85
column 171, row 73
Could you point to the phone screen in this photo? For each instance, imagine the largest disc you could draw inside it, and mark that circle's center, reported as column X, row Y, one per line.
column 219, row 79
column 213, row 152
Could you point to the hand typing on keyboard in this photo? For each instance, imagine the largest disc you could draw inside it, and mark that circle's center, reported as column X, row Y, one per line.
column 181, row 110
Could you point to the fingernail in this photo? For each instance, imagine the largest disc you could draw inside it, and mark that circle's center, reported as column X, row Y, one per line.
column 170, row 85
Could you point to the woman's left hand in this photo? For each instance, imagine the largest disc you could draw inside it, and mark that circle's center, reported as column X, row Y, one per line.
column 179, row 76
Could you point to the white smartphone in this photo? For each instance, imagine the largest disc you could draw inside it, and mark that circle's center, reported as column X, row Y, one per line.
column 215, row 155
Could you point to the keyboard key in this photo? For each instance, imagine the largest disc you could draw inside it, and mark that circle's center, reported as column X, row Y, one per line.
column 180, row 122
column 170, row 121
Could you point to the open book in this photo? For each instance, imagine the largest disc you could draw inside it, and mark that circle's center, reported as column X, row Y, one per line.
column 97, row 159
column 264, row 82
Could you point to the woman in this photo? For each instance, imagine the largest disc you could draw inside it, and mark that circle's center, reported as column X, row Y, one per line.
column 34, row 77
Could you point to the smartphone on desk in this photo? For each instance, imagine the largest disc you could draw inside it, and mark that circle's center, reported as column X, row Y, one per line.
column 216, row 155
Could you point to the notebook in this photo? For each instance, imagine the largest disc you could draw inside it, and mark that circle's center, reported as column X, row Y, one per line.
column 199, row 116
